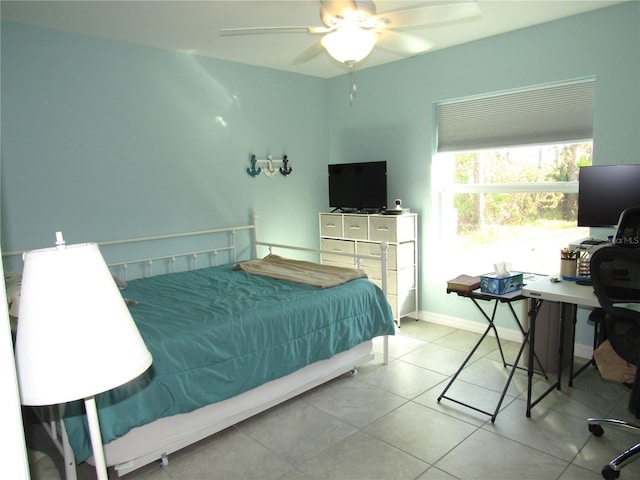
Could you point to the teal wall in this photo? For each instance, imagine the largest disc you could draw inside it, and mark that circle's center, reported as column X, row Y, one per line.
column 110, row 140
column 393, row 116
column 107, row 140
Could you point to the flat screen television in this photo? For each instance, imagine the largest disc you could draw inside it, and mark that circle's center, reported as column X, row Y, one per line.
column 358, row 187
column 605, row 191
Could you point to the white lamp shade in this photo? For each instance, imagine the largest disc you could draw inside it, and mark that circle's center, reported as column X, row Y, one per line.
column 75, row 337
column 349, row 43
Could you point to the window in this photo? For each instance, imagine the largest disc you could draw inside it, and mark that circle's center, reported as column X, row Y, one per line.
column 505, row 178
column 517, row 205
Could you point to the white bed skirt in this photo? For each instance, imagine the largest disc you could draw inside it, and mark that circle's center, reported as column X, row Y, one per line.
column 154, row 441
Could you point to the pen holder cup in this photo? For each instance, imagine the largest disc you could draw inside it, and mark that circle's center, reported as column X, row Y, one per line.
column 568, row 267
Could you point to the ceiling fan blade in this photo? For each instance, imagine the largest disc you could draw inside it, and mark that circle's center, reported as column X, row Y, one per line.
column 403, row 43
column 227, row 32
column 430, row 14
column 310, row 53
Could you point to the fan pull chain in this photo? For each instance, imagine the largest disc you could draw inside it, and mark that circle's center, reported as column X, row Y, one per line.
column 352, row 85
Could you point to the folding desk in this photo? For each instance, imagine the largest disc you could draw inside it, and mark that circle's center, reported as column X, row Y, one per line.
column 476, row 296
column 569, row 294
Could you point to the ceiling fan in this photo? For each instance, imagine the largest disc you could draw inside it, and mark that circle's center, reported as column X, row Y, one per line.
column 352, row 28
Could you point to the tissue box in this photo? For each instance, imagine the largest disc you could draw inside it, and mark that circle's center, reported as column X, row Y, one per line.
column 499, row 285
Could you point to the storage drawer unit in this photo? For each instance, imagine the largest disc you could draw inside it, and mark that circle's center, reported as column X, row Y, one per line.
column 362, row 235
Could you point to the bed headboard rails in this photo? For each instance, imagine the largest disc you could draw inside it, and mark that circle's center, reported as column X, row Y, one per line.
column 122, row 268
column 191, row 257
column 208, row 243
column 144, row 264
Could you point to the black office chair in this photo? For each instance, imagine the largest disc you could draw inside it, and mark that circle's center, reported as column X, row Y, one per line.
column 628, row 228
column 615, row 273
column 627, row 235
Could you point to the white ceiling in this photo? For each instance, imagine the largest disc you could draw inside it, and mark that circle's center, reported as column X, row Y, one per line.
column 193, row 26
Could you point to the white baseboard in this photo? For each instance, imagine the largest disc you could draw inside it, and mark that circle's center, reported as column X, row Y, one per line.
column 581, row 351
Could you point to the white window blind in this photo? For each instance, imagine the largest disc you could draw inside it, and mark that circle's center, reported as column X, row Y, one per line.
column 555, row 114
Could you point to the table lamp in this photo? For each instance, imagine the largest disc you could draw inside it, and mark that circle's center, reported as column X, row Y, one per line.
column 75, row 337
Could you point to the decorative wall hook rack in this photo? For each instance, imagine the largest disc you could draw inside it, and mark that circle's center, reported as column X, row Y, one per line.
column 268, row 166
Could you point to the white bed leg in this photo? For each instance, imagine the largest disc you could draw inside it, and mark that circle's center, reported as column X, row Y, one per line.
column 385, row 350
column 51, row 418
column 164, row 460
column 69, row 458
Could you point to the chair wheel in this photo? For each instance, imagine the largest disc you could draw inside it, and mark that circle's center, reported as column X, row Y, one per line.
column 597, row 431
column 609, row 473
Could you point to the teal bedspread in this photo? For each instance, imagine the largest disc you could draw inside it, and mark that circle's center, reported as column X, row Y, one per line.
column 215, row 333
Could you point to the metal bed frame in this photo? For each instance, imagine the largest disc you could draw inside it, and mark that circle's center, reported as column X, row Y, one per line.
column 50, row 416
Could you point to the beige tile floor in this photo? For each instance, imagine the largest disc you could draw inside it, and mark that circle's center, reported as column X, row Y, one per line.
column 386, row 423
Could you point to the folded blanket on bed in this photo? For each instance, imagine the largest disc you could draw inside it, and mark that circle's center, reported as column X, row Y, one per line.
column 300, row 271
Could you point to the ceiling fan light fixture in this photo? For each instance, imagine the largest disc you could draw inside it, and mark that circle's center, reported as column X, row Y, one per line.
column 349, row 43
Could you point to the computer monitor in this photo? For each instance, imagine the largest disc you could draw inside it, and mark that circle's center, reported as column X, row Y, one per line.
column 605, row 191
